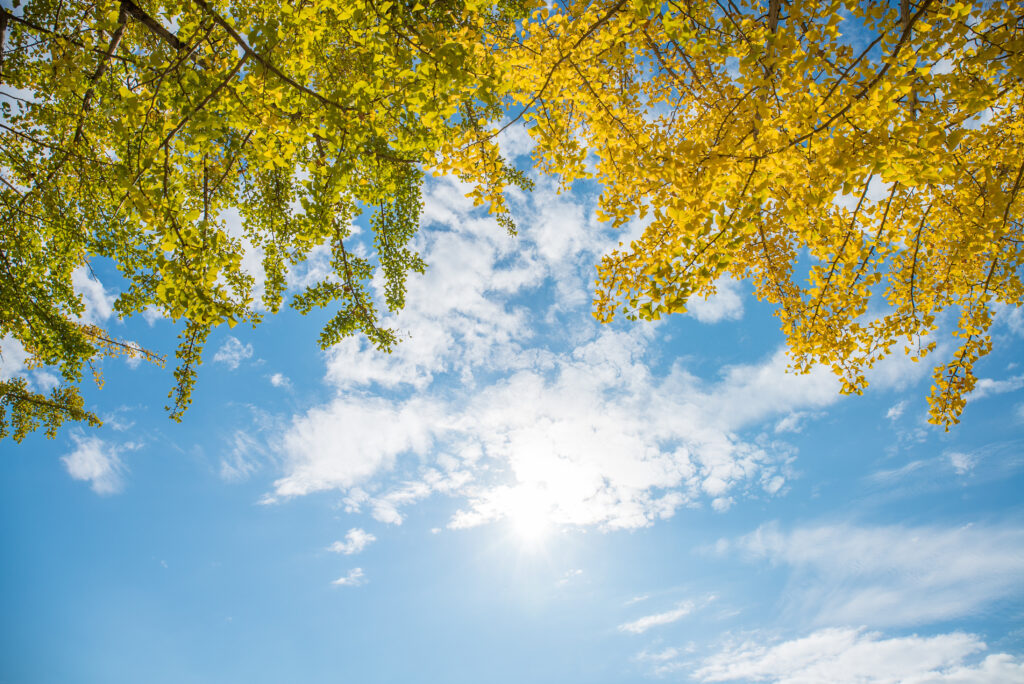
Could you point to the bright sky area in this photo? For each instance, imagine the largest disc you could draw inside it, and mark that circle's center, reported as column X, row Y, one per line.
column 516, row 494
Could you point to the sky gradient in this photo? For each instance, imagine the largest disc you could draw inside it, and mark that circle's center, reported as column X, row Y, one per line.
column 516, row 494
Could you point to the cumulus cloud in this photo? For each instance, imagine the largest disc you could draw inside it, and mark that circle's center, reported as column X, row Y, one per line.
column 725, row 305
column 641, row 625
column 99, row 304
column 354, row 578
column 280, row 380
column 233, row 352
column 495, row 403
column 891, row 575
column 12, row 357
column 848, row 656
column 95, row 461
column 343, row 444
column 356, row 540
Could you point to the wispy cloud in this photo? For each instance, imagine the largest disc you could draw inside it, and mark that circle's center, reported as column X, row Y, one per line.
column 896, row 410
column 962, row 463
column 243, row 458
column 988, row 386
column 848, row 656
column 356, row 540
column 568, row 576
column 891, row 575
column 645, row 623
column 233, row 352
column 354, row 578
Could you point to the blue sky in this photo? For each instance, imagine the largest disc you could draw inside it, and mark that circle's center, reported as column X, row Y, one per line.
column 516, row 494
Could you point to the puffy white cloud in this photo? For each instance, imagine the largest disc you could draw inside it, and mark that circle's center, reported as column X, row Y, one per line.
column 356, row 539
column 99, row 305
column 855, row 656
column 12, row 357
column 569, row 427
column 96, row 462
column 354, row 578
column 641, row 625
column 725, row 305
column 233, row 352
column 892, row 575
column 280, row 380
column 353, row 438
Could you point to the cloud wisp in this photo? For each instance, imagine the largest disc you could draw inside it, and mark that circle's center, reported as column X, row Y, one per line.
column 355, row 577
column 849, row 656
column 641, row 625
column 892, row 575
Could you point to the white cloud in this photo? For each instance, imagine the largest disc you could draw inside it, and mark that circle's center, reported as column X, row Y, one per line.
column 575, row 425
column 894, row 475
column 987, row 387
column 658, row 656
column 854, row 656
column 1012, row 316
column 896, row 410
column 98, row 304
column 962, row 463
column 352, row 439
column 662, row 662
column 893, row 575
column 725, row 305
column 12, row 357
column 280, row 380
column 354, row 578
column 794, row 422
column 645, row 623
column 233, row 352
column 356, row 540
column 95, row 461
column 242, row 460
column 569, row 575
column 152, row 314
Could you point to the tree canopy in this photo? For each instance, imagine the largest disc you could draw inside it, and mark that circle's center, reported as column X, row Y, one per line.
column 129, row 130
column 859, row 162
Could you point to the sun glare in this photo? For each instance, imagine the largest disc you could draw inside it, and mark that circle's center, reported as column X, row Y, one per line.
column 528, row 518
column 530, row 525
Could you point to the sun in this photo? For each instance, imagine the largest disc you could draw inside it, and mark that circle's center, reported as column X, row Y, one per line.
column 528, row 514
column 530, row 524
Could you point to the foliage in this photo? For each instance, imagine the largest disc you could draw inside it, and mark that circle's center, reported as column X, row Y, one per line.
column 860, row 162
column 129, row 131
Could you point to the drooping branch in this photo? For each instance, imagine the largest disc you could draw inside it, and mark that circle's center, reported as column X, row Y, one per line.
column 152, row 24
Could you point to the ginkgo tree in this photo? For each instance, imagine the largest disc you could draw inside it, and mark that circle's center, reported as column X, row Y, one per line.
column 860, row 162
column 129, row 129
